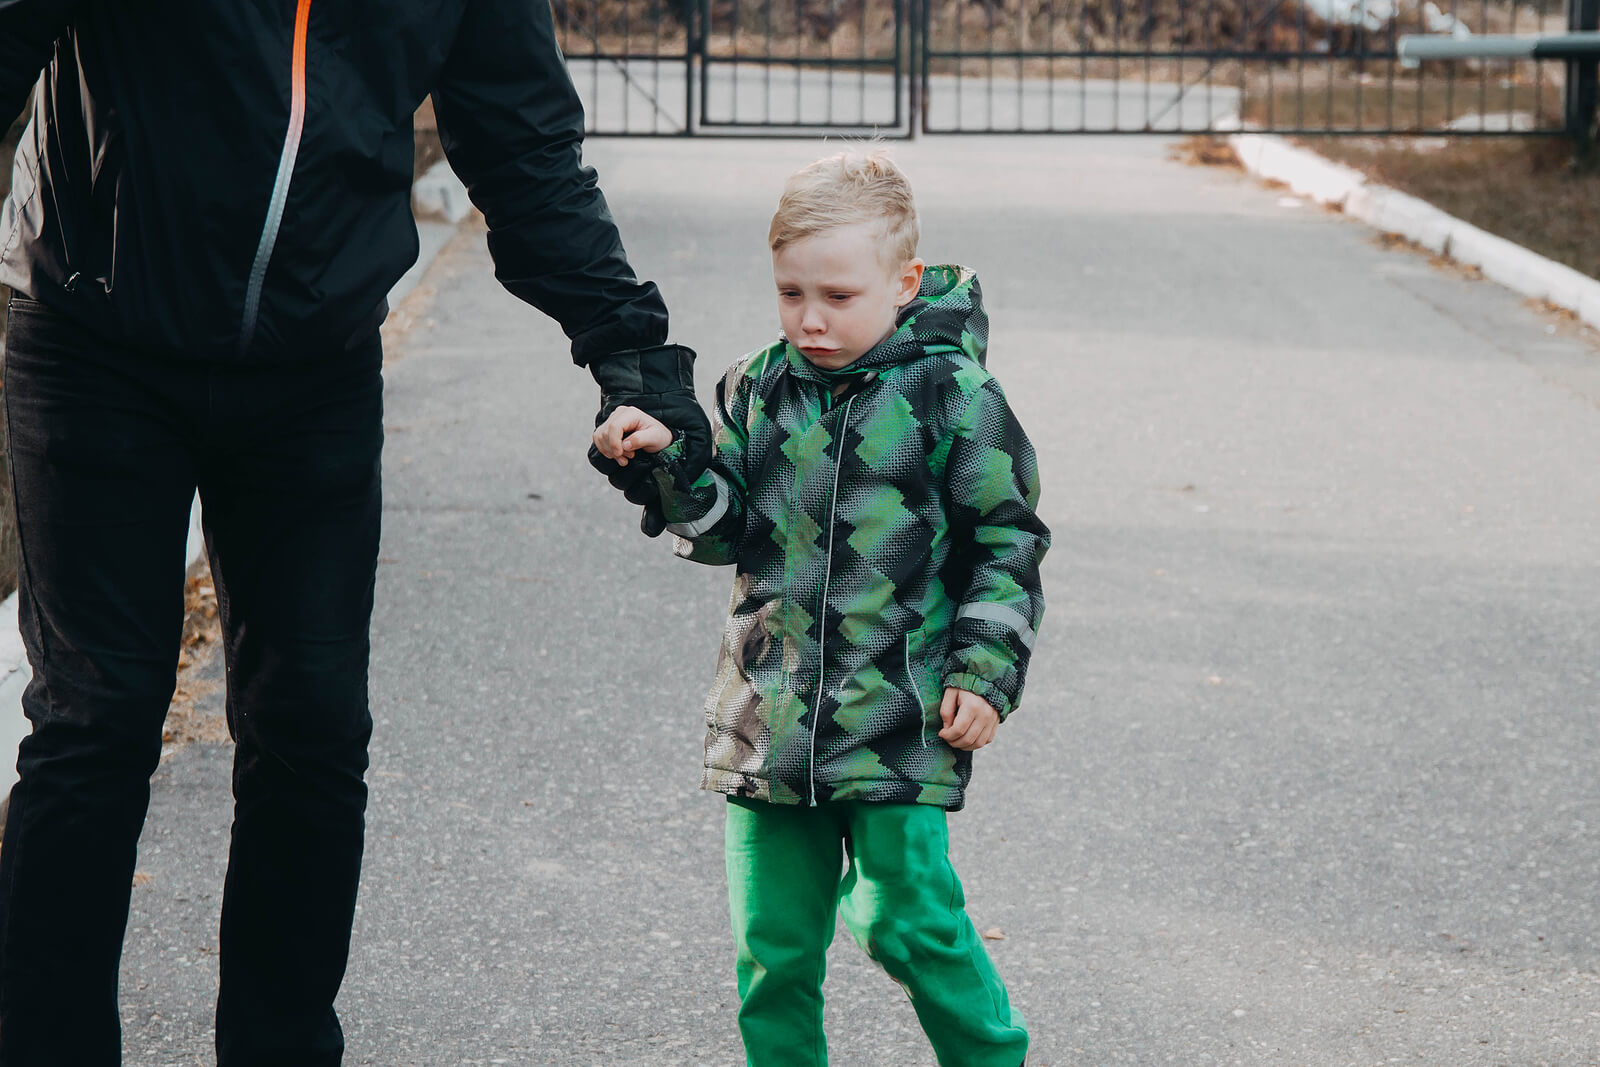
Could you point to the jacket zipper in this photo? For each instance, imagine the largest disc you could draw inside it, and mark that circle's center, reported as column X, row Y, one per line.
column 827, row 577
column 280, row 185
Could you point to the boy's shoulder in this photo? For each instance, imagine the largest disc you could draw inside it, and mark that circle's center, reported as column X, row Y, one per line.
column 953, row 372
column 754, row 366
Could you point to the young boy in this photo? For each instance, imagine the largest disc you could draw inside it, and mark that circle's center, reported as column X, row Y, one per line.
column 877, row 497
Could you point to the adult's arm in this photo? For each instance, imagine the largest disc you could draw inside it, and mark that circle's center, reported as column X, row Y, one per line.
column 28, row 31
column 512, row 128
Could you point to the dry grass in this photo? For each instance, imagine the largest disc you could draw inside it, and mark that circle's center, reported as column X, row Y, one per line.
column 196, row 713
column 817, row 28
column 428, row 150
column 1206, row 151
column 1394, row 241
column 1524, row 189
column 1341, row 99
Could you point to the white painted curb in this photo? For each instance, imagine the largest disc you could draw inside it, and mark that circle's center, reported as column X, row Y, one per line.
column 440, row 192
column 1511, row 265
column 14, row 677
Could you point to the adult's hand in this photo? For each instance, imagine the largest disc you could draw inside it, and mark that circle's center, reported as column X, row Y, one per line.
column 660, row 382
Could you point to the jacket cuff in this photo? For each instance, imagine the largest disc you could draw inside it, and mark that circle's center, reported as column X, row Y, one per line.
column 639, row 371
column 975, row 683
column 690, row 509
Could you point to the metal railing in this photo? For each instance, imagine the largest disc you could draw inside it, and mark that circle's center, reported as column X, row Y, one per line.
column 897, row 67
column 739, row 67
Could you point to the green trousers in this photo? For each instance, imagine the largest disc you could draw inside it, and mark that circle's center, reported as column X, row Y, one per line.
column 886, row 869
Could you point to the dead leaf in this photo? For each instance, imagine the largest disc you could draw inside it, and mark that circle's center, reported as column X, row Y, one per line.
column 994, row 933
column 1204, row 151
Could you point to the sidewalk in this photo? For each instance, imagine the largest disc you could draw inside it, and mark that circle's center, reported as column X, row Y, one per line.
column 1304, row 774
column 1308, row 173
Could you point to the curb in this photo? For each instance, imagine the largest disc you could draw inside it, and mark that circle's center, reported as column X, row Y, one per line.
column 440, row 193
column 14, row 677
column 1389, row 210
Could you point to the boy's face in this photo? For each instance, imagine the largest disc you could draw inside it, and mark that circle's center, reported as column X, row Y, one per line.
column 836, row 297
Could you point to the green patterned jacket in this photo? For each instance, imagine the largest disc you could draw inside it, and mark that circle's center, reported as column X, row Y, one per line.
column 887, row 546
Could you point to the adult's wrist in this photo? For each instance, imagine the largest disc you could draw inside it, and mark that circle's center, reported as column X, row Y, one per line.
column 642, row 372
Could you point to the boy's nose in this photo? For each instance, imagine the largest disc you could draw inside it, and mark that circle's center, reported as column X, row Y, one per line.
column 812, row 321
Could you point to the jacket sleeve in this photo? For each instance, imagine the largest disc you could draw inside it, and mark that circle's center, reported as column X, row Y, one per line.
column 512, row 128
column 28, row 31
column 992, row 480
column 706, row 516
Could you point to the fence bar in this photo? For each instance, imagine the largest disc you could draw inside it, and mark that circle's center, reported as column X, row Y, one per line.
column 1583, row 17
column 988, row 66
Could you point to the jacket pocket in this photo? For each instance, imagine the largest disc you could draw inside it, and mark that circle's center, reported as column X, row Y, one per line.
column 26, row 304
column 747, row 639
column 922, row 676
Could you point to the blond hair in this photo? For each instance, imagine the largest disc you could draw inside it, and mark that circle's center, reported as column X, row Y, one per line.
column 842, row 190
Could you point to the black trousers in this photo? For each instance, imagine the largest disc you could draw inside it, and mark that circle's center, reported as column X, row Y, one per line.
column 108, row 446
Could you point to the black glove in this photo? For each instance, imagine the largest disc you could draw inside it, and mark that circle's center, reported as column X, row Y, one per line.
column 637, row 485
column 660, row 382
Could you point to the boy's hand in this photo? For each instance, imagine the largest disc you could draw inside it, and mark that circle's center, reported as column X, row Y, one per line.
column 969, row 720
column 628, row 431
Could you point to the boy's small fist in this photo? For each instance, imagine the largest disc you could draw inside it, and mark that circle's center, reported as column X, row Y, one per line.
column 969, row 720
column 628, row 431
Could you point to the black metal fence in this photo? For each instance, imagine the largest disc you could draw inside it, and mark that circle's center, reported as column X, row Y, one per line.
column 679, row 67
column 897, row 67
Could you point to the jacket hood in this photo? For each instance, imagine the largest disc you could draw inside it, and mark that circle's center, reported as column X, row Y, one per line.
column 945, row 318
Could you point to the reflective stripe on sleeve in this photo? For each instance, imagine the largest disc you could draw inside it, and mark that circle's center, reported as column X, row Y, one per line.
column 719, row 508
column 1004, row 616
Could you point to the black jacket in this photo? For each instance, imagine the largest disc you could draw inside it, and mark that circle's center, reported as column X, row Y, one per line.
column 230, row 179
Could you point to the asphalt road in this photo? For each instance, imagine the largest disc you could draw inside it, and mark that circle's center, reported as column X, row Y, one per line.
column 1306, row 769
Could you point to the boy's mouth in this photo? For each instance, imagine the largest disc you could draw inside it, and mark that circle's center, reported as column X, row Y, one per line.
column 818, row 350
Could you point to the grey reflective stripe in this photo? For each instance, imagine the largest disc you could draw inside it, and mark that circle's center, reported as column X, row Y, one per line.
column 999, row 613
column 280, row 186
column 719, row 508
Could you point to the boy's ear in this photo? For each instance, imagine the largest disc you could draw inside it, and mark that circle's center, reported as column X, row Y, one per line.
column 910, row 282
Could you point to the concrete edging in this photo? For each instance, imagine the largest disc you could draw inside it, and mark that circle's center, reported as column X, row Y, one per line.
column 1518, row 269
column 14, row 677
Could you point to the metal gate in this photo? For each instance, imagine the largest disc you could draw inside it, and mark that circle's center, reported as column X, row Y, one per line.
column 739, row 67
column 898, row 67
